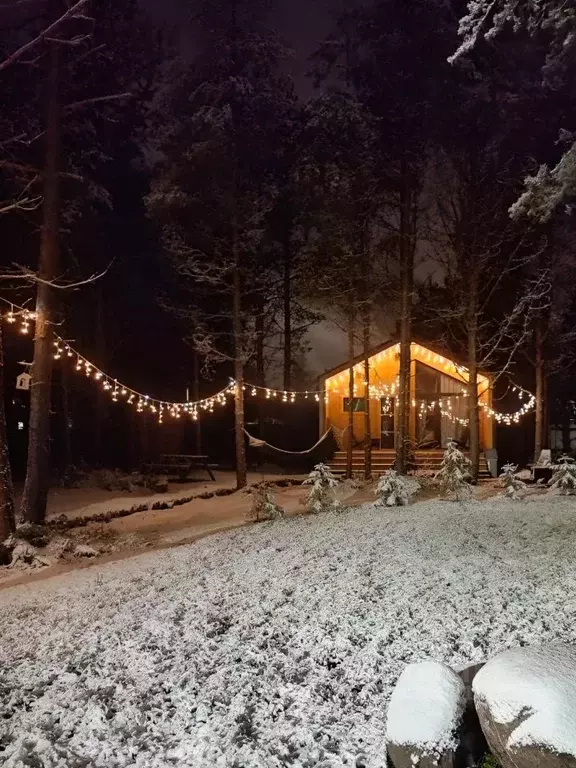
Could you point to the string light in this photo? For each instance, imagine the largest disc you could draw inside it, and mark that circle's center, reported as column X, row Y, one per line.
column 382, row 392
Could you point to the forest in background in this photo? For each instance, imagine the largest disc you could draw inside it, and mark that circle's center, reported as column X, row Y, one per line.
column 412, row 195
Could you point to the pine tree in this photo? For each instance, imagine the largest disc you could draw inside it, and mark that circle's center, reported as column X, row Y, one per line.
column 81, row 92
column 564, row 479
column 392, row 490
column 321, row 497
column 513, row 486
column 453, row 476
column 552, row 22
column 215, row 185
column 338, row 184
column 264, row 506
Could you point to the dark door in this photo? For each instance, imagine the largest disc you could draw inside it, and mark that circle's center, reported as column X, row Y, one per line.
column 387, row 424
column 429, row 425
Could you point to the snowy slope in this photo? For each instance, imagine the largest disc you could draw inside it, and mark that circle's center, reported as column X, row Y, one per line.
column 275, row 645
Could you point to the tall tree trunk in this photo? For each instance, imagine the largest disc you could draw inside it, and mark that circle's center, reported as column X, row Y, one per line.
column 287, row 300
column 406, row 253
column 101, row 403
column 260, row 375
column 546, row 410
column 539, row 394
column 135, row 442
column 241, row 475
column 366, row 321
column 65, row 387
column 35, row 496
column 350, row 441
column 367, row 425
column 566, row 429
column 6, row 490
column 196, row 397
column 473, row 409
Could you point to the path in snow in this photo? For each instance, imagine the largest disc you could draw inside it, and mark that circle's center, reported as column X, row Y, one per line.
column 275, row 645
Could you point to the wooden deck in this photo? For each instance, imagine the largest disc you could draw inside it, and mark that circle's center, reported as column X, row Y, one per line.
column 383, row 459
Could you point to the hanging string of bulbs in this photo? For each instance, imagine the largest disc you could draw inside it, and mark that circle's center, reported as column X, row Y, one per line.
column 116, row 389
column 142, row 402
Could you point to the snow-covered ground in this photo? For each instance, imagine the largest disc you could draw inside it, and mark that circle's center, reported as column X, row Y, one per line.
column 275, row 645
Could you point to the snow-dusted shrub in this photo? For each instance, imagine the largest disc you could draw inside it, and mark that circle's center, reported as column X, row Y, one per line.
column 453, row 477
column 512, row 484
column 392, row 490
column 36, row 535
column 564, row 479
column 321, row 496
column 263, row 505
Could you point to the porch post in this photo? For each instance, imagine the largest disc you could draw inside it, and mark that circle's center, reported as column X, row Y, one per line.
column 412, row 411
column 322, row 426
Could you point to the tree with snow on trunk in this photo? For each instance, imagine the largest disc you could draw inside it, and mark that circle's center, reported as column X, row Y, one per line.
column 392, row 490
column 564, row 479
column 513, row 486
column 321, row 497
column 453, row 477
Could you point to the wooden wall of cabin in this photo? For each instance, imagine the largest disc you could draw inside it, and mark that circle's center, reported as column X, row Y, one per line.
column 384, row 372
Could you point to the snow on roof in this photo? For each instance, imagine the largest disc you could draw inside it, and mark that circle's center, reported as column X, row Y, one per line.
column 536, row 684
column 426, row 706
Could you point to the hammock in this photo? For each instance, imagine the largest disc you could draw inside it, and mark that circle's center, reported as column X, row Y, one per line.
column 321, row 451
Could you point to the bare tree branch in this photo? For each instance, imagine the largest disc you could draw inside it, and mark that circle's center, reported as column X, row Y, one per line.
column 97, row 100
column 24, row 273
column 71, row 12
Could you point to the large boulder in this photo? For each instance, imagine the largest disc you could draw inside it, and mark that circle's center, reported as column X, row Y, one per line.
column 425, row 716
column 526, row 702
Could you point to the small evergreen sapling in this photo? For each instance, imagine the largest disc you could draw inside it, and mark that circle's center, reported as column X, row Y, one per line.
column 321, row 496
column 392, row 490
column 263, row 505
column 513, row 486
column 564, row 479
column 453, row 476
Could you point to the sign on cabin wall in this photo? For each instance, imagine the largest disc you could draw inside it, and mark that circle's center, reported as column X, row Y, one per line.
column 23, row 381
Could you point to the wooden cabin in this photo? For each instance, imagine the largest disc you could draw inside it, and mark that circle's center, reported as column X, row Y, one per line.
column 438, row 411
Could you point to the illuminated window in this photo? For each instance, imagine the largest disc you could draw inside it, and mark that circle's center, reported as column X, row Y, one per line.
column 358, row 404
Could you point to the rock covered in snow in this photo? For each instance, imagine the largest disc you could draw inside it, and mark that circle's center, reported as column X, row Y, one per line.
column 526, row 702
column 83, row 550
column 425, row 715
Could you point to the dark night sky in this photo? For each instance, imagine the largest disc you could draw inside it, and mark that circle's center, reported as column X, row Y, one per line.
column 302, row 24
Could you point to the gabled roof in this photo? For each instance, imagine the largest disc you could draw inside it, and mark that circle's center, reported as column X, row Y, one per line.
column 432, row 348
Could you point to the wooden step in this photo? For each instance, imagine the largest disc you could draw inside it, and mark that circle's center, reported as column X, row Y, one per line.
column 384, row 458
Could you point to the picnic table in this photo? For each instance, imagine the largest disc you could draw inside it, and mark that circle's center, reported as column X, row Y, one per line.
column 178, row 465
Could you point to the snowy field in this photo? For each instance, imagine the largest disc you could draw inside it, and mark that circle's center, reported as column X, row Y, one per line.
column 275, row 645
